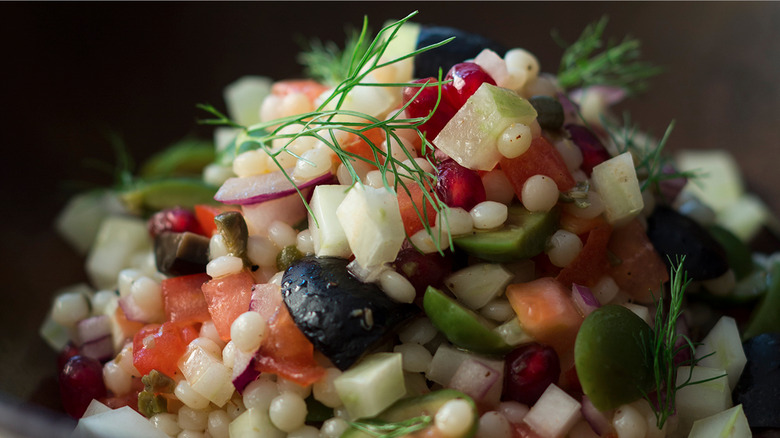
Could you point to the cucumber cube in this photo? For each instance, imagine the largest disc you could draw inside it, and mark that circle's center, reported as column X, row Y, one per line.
column 554, row 413
column 730, row 423
column 326, row 232
column 118, row 240
column 477, row 284
column 252, row 423
column 471, row 136
column 616, row 181
column 372, row 385
column 724, row 345
column 701, row 400
column 244, row 98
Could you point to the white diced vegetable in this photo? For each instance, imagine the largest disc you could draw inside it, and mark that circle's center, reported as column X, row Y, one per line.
column 730, row 423
column 554, row 413
column 446, row 361
column 118, row 240
column 718, row 180
column 724, row 344
column 371, row 220
column 616, row 181
column 80, row 220
column 244, row 96
column 744, row 217
column 207, row 375
column 116, row 423
column 512, row 332
column 477, row 284
column 326, row 232
column 701, row 400
column 471, row 136
column 252, row 423
column 372, row 385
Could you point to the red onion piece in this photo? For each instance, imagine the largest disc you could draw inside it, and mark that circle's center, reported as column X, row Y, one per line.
column 244, row 370
column 476, row 379
column 93, row 328
column 598, row 421
column 584, row 299
column 100, row 349
column 670, row 188
column 265, row 187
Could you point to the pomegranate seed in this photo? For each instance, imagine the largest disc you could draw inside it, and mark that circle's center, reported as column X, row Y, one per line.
column 529, row 370
column 177, row 220
column 69, row 351
column 458, row 186
column 423, row 269
column 593, row 152
column 422, row 105
column 81, row 380
column 466, row 78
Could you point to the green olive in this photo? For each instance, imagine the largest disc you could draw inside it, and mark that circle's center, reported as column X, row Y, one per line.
column 232, row 227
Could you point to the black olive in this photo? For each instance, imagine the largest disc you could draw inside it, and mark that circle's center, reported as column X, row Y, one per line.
column 465, row 46
column 549, row 112
column 340, row 315
column 758, row 389
column 674, row 234
column 181, row 253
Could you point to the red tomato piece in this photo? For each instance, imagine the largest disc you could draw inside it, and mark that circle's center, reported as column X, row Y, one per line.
column 409, row 204
column 540, row 159
column 311, row 88
column 183, row 298
column 592, row 262
column 159, row 347
column 228, row 297
column 205, row 215
column 641, row 272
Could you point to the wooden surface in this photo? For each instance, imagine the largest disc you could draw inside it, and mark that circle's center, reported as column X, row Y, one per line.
column 75, row 73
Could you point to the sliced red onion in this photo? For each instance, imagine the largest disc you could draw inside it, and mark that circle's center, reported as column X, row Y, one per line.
column 288, row 209
column 265, row 187
column 584, row 299
column 571, row 111
column 598, row 421
column 671, row 188
column 100, row 349
column 476, row 379
column 244, row 370
column 93, row 328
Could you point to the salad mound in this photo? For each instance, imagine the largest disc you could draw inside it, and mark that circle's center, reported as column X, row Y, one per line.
column 383, row 249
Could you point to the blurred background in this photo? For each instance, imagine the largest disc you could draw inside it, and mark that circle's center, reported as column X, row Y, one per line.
column 76, row 74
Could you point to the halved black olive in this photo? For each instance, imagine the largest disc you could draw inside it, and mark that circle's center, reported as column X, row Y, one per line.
column 465, row 46
column 758, row 389
column 674, row 234
column 340, row 315
column 181, row 253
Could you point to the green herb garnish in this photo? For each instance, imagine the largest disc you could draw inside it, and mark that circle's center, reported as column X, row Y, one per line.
column 330, row 119
column 383, row 429
column 663, row 348
column 617, row 65
column 329, row 64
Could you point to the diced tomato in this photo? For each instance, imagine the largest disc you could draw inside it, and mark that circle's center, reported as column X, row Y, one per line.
column 592, row 261
column 640, row 271
column 311, row 88
column 540, row 159
column 286, row 352
column 205, row 215
column 547, row 313
column 159, row 347
column 409, row 214
column 183, row 298
column 228, row 297
column 358, row 145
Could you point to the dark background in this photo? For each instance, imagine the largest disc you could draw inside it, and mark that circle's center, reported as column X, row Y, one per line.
column 75, row 73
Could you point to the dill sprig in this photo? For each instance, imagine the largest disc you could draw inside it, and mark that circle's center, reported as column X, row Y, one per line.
column 617, row 64
column 331, row 118
column 663, row 347
column 383, row 429
column 327, row 62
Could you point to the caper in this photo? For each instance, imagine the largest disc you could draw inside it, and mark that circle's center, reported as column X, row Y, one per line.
column 549, row 112
column 287, row 257
column 232, row 227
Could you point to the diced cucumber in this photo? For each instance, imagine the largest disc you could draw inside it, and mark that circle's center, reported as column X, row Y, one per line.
column 447, row 359
column 744, row 217
column 701, row 400
column 123, row 422
column 731, row 423
column 477, row 284
column 523, row 236
column 403, row 43
column 118, row 240
column 372, row 385
column 244, row 96
column 724, row 347
column 554, row 413
column 207, row 375
column 80, row 220
column 326, row 232
column 371, row 220
column 187, row 157
column 471, row 136
column 718, row 179
column 253, row 423
column 616, row 181
column 512, row 333
column 56, row 335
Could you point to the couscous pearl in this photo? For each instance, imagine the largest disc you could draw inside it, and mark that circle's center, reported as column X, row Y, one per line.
column 190, row 434
column 125, row 360
column 415, row 358
column 457, row 220
column 117, row 380
column 497, row 187
column 189, row 396
column 401, row 151
column 304, row 242
column 285, row 385
column 539, row 193
column 235, row 406
column 209, row 330
column 313, row 163
column 259, row 393
column 225, row 265
column 521, row 65
column 498, row 309
column 70, row 308
column 493, row 424
column 629, row 423
column 218, row 424
column 282, row 234
column 125, row 280
column 247, row 331
column 217, row 247
column 542, row 85
column 343, row 175
column 420, row 330
column 285, row 141
column 193, row 419
column 396, row 286
column 287, row 411
column 563, row 248
column 423, row 241
column 515, row 140
column 269, row 109
column 101, row 299
column 454, row 418
column 513, row 411
column 324, row 389
column 333, row 428
column 295, row 103
column 374, row 179
column 216, row 174
column 261, row 251
column 166, row 423
column 305, row 432
column 229, row 354
column 605, row 290
column 571, row 154
column 250, row 163
column 207, row 345
column 489, row 214
column 147, row 295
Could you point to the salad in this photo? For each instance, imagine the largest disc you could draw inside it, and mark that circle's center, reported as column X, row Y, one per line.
column 399, row 251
